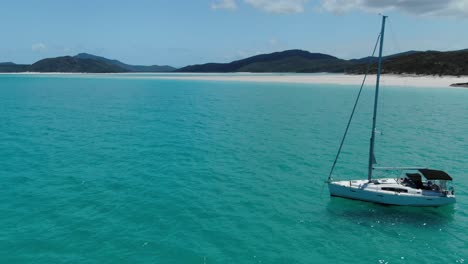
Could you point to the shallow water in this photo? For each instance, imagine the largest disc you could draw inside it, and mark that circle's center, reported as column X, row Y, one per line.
column 135, row 170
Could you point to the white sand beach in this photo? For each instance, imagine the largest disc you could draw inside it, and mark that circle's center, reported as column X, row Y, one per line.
column 340, row 79
column 424, row 81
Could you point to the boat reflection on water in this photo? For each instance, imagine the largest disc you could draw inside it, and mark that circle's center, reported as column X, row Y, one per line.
column 364, row 212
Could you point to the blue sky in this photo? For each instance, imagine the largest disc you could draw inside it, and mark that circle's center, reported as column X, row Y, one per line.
column 179, row 33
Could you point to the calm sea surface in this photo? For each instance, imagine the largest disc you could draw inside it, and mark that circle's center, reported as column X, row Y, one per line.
column 120, row 169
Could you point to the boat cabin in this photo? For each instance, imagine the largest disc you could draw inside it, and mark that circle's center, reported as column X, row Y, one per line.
column 428, row 179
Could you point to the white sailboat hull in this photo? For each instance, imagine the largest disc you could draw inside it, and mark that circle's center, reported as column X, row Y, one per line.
column 371, row 192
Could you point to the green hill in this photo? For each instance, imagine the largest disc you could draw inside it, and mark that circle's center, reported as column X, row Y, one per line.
column 72, row 64
column 300, row 61
column 12, row 67
column 128, row 67
column 285, row 61
column 82, row 62
column 425, row 63
column 410, row 62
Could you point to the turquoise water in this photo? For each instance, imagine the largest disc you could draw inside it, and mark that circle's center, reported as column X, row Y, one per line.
column 136, row 170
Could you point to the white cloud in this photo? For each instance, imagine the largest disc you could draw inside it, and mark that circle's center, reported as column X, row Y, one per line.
column 278, row 6
column 224, row 4
column 418, row 7
column 38, row 47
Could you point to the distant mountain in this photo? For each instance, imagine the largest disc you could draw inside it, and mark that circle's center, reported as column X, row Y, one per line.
column 82, row 62
column 367, row 59
column 410, row 62
column 285, row 61
column 12, row 67
column 73, row 64
column 127, row 67
column 424, row 62
column 300, row 61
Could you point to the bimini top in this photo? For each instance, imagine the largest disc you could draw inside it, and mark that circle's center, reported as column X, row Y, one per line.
column 435, row 174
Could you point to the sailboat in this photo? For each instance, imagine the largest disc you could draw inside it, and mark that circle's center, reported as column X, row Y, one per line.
column 415, row 186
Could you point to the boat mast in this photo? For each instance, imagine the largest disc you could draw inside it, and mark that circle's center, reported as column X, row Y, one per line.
column 374, row 118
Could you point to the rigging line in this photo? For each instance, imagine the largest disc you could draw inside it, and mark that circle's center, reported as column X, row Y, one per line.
column 354, row 109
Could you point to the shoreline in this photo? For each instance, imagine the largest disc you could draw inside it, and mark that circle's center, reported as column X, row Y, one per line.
column 314, row 78
column 338, row 79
